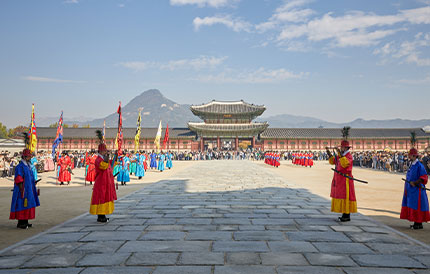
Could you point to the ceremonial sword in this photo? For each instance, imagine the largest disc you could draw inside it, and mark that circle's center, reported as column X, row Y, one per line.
column 346, row 176
column 423, row 187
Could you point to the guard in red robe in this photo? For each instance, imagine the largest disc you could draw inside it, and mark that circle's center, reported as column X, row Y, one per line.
column 342, row 188
column 104, row 194
column 65, row 166
column 91, row 174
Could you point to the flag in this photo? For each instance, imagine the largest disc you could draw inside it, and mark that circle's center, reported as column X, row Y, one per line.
column 32, row 132
column 104, row 130
column 119, row 136
column 137, row 136
column 59, row 136
column 158, row 137
column 166, row 137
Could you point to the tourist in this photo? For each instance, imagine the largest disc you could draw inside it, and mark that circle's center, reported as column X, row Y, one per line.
column 24, row 197
column 342, row 188
column 104, row 194
column 415, row 205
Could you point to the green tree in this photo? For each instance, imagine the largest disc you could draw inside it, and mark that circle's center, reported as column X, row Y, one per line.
column 65, row 125
column 17, row 132
column 3, row 131
column 75, row 126
column 53, row 125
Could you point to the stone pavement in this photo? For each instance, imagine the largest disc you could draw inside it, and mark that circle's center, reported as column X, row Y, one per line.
column 219, row 217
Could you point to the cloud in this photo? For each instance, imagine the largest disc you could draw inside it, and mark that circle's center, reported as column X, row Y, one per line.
column 121, row 5
column 425, row 80
column 50, row 80
column 236, row 24
column 195, row 64
column 408, row 51
column 204, row 3
column 71, row 2
column 259, row 76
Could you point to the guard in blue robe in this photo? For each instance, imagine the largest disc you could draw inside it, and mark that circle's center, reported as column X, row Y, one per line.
column 24, row 197
column 124, row 170
column 140, row 168
column 161, row 159
column 169, row 158
column 33, row 167
column 153, row 163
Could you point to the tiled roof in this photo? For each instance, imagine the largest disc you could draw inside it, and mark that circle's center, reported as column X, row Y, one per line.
column 333, row 133
column 228, row 127
column 129, row 133
column 237, row 107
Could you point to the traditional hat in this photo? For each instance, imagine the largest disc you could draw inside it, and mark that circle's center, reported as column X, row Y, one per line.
column 345, row 135
column 26, row 152
column 413, row 152
column 102, row 146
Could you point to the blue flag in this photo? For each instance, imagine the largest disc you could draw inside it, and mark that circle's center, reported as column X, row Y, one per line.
column 59, row 137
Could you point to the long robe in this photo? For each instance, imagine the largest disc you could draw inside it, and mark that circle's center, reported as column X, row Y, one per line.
column 124, row 170
column 140, row 168
column 415, row 204
column 153, row 163
column 23, row 207
column 169, row 163
column 161, row 162
column 65, row 164
column 104, row 194
column 33, row 162
column 91, row 173
column 342, row 188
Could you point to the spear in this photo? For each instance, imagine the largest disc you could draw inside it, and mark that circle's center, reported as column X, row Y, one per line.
column 420, row 186
column 351, row 178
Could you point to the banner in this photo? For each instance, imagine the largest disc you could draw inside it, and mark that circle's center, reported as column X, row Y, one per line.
column 59, row 136
column 119, row 136
column 166, row 137
column 32, row 132
column 137, row 136
column 158, row 137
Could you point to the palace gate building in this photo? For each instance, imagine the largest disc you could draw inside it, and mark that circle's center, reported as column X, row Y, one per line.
column 230, row 126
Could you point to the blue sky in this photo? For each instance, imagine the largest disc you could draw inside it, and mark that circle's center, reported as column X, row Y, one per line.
column 332, row 59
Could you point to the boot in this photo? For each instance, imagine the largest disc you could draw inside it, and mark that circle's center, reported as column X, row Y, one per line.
column 345, row 218
column 102, row 219
column 417, row 226
column 22, row 224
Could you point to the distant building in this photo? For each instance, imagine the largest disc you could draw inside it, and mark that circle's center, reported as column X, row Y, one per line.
column 229, row 125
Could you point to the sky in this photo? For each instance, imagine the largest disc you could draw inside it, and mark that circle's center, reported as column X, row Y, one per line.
column 336, row 60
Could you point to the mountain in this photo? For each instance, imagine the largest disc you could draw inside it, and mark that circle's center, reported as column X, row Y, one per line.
column 46, row 121
column 155, row 107
column 293, row 121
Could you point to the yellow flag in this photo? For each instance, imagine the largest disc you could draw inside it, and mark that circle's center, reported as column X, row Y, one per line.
column 32, row 133
column 158, row 137
column 137, row 137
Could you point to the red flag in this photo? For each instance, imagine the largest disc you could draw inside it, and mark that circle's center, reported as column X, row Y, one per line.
column 119, row 135
column 166, row 137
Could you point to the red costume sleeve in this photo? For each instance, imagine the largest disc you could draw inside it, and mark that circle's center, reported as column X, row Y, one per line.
column 19, row 179
column 424, row 178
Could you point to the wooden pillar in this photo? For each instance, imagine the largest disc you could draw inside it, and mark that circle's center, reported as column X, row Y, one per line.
column 201, row 144
column 253, row 142
column 237, row 143
column 218, row 143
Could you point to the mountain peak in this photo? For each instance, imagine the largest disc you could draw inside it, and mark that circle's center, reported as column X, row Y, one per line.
column 152, row 92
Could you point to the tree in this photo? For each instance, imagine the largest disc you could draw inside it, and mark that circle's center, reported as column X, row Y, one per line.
column 3, row 131
column 17, row 132
column 65, row 125
column 86, row 126
column 75, row 126
column 53, row 125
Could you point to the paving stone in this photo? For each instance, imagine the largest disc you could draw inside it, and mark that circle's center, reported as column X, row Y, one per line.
column 164, row 227
column 282, row 227
column 366, row 237
column 100, row 228
column 243, row 246
column 342, row 228
column 118, row 236
column 103, row 259
column 58, row 238
column 165, row 246
column 273, row 221
column 243, row 258
column 161, row 221
column 154, row 258
column 65, row 270
column 209, row 235
column 259, row 236
column 292, row 246
column 231, row 221
column 329, row 259
column 369, row 270
column 228, row 227
column 251, row 227
column 199, row 227
column 308, row 270
column 283, row 259
column 398, row 248
column 13, row 261
column 343, row 248
column 127, row 222
column 374, row 229
column 15, row 271
column 162, row 236
column 182, row 270
column 387, row 261
column 60, row 248
column 317, row 236
column 61, row 260
column 27, row 249
column 425, row 260
column 132, row 228
column 67, row 229
column 99, row 247
column 244, row 269
column 194, row 221
column 117, row 270
column 202, row 258
column 315, row 228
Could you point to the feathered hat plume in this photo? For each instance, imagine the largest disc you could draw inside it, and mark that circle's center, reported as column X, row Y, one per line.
column 99, row 136
column 413, row 138
column 345, row 132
